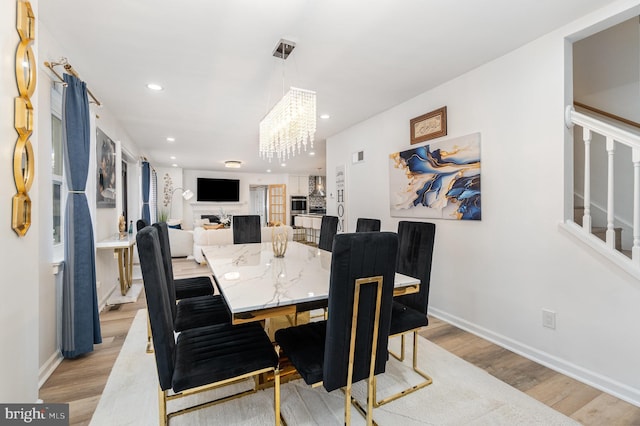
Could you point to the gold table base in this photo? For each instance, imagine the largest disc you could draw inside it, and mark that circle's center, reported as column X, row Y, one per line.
column 125, row 267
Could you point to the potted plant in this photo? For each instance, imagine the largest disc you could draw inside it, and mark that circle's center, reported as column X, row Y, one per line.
column 163, row 215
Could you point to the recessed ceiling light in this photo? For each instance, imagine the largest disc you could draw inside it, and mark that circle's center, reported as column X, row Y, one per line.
column 170, row 139
column 268, row 170
column 283, row 164
column 174, row 165
column 233, row 164
column 154, row 86
column 173, row 157
column 325, row 116
column 312, row 153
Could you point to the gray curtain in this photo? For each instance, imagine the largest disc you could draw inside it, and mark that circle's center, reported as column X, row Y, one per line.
column 146, row 181
column 80, row 317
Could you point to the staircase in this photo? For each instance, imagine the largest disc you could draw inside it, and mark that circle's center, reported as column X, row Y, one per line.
column 601, row 231
column 582, row 224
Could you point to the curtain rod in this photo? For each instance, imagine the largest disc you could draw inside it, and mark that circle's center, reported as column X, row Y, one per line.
column 68, row 68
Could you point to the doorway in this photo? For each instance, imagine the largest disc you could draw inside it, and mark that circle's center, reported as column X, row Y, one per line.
column 258, row 202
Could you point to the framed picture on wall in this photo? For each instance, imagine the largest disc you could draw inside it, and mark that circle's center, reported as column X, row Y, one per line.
column 439, row 180
column 429, row 126
column 106, row 168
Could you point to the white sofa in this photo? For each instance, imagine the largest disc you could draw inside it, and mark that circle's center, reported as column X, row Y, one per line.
column 214, row 237
column 181, row 242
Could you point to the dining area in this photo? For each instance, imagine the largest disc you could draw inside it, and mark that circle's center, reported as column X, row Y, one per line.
column 370, row 286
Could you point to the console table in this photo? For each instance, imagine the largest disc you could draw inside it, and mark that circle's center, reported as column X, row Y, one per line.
column 123, row 248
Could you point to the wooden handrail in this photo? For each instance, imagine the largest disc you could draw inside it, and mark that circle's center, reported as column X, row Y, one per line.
column 607, row 114
column 606, row 128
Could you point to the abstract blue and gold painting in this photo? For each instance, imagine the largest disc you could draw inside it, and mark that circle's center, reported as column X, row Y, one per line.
column 438, row 180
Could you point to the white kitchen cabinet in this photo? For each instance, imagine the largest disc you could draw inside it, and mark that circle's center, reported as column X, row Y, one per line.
column 298, row 185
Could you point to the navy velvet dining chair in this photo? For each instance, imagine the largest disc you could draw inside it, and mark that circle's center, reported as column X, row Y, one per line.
column 203, row 358
column 409, row 313
column 367, row 225
column 190, row 312
column 246, row 229
column 328, row 230
column 184, row 287
column 351, row 345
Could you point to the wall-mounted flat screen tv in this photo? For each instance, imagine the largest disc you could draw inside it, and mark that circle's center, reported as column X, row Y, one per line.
column 218, row 189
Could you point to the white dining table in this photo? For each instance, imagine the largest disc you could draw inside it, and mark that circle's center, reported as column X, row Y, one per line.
column 257, row 285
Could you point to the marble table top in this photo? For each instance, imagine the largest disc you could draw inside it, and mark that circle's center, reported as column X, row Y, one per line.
column 115, row 241
column 251, row 278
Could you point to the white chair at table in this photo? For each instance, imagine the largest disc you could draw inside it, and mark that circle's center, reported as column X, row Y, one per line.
column 307, row 224
column 298, row 222
column 317, row 226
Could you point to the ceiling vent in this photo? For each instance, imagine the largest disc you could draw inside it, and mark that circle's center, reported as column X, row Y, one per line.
column 357, row 157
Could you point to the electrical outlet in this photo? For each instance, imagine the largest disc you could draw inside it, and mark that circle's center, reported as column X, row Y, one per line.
column 549, row 319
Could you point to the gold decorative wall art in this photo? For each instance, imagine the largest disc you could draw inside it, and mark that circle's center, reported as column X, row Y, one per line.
column 23, row 157
column 429, row 126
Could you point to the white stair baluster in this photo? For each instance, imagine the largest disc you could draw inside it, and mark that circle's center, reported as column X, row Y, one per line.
column 614, row 134
column 611, row 234
column 586, row 218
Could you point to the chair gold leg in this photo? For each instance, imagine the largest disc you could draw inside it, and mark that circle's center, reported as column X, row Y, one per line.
column 401, row 356
column 149, row 341
column 162, row 407
column 428, row 380
column 364, row 413
column 347, row 405
column 276, row 396
column 370, row 398
column 368, row 413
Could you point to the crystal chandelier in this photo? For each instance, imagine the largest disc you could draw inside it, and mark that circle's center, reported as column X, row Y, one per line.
column 291, row 124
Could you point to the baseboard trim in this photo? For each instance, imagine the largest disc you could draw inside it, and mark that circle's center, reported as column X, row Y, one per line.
column 588, row 377
column 49, row 367
column 611, row 255
column 103, row 302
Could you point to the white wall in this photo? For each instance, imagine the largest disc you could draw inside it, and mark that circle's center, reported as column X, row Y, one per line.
column 607, row 66
column 19, row 283
column 495, row 276
column 189, row 179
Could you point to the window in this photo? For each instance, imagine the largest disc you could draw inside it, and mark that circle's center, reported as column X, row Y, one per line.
column 57, row 169
column 153, row 196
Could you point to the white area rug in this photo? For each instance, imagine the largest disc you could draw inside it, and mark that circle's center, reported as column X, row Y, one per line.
column 461, row 394
column 132, row 295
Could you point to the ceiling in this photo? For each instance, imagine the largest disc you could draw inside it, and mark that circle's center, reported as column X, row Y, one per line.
column 214, row 60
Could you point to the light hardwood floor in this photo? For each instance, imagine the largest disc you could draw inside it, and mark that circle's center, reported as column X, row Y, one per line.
column 80, row 382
